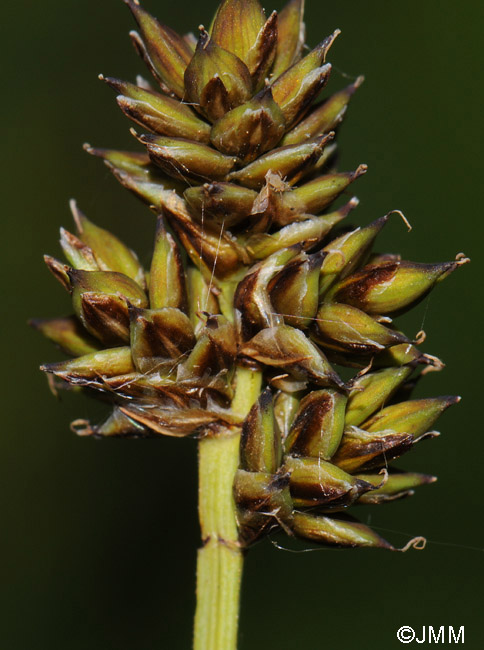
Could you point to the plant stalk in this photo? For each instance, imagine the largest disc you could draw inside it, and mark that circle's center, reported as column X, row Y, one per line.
column 220, row 559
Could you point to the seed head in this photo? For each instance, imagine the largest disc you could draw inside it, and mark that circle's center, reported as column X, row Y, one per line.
column 236, row 158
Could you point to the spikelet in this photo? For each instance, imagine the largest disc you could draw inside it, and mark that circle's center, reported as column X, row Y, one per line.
column 236, row 158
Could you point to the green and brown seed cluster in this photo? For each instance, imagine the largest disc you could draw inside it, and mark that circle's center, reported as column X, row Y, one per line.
column 246, row 270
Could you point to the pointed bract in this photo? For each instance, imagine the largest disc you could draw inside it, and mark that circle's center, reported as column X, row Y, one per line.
column 397, row 486
column 236, row 26
column 299, row 85
column 307, row 233
column 262, row 54
column 372, row 390
column 159, row 113
column 347, row 329
column 317, row 483
column 287, row 349
column 138, row 174
column 184, row 159
column 102, row 363
column 414, row 417
column 324, row 117
column 313, row 197
column 78, row 254
column 216, row 80
column 167, row 51
column 289, row 162
column 390, row 288
column 225, row 203
column 67, row 333
column 361, row 449
column 337, row 532
column 109, row 252
column 58, row 270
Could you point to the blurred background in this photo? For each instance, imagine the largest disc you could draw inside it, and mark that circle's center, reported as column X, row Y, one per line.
column 98, row 537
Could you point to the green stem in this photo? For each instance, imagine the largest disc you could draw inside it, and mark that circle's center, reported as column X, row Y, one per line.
column 220, row 560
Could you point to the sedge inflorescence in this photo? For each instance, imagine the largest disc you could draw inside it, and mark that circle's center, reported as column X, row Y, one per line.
column 249, row 270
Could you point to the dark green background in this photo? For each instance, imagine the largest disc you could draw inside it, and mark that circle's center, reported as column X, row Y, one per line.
column 99, row 538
